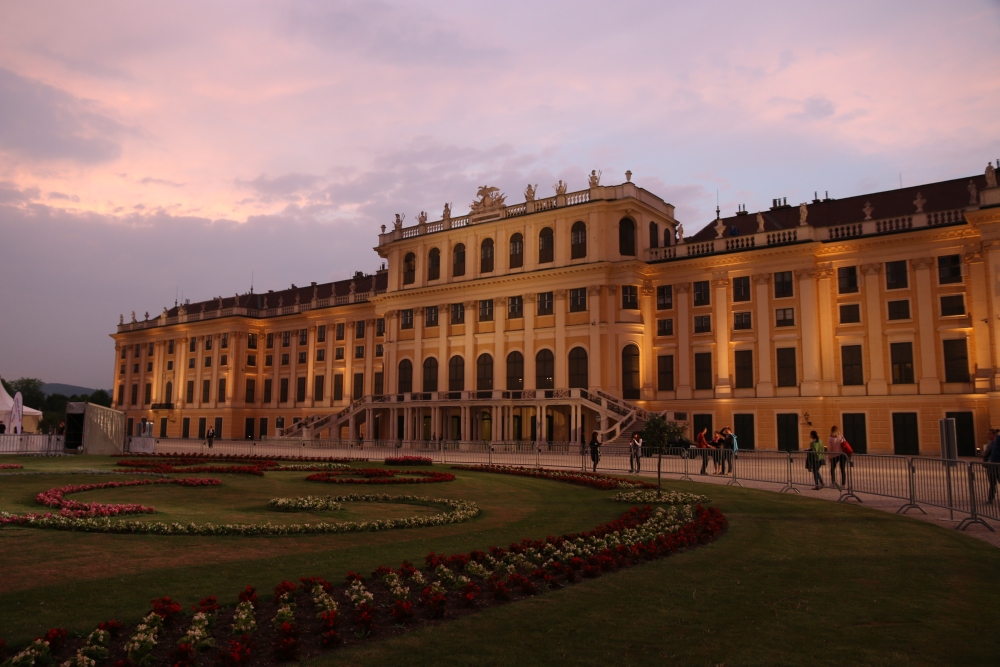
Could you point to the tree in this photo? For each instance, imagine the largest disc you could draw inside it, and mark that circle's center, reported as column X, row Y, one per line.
column 31, row 391
column 659, row 432
column 101, row 397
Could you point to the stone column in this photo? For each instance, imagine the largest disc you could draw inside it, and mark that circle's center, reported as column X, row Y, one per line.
column 471, row 315
column 978, row 307
column 444, row 323
column 529, row 341
column 594, row 376
column 929, row 381
column 614, row 379
column 876, row 345
column 391, row 356
column 369, row 435
column 683, row 344
column 370, row 358
column 418, row 347
column 648, row 356
column 310, row 365
column 723, row 387
column 159, row 353
column 499, row 341
column 765, row 384
column 328, row 367
column 827, row 326
column 559, row 305
column 809, row 338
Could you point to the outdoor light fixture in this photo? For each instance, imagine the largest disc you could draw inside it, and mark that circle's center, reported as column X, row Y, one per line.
column 805, row 416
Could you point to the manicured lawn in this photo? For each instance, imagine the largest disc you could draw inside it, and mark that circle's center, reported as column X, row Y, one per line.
column 794, row 581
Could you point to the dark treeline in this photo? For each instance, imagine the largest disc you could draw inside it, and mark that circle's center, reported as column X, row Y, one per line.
column 53, row 406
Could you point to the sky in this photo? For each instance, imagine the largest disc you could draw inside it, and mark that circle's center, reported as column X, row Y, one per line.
column 159, row 151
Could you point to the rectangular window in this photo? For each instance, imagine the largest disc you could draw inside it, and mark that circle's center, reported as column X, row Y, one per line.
column 742, row 320
column 340, row 331
column 170, row 344
column 208, row 362
column 303, row 337
column 124, row 351
column 744, row 369
column 665, row 372
column 702, row 324
column 665, row 327
column 267, row 391
column 192, row 344
column 338, row 353
column 899, row 310
column 149, row 348
column 458, row 313
column 284, row 359
column 121, row 370
column 138, row 350
column 222, row 390
column 953, row 304
column 302, row 357
column 359, row 329
column 783, row 285
column 847, row 280
column 321, row 354
column 252, row 341
column 949, row 269
column 283, row 391
column 338, row 387
column 270, row 341
column 121, row 394
column 208, row 343
column 379, row 383
column 149, row 364
column 703, row 370
column 545, row 303
column 286, row 338
column 300, row 390
column 359, row 385
column 359, row 351
column 896, row 276
column 268, row 359
column 405, row 318
column 225, row 341
column 851, row 365
column 380, row 326
column 630, row 297
column 578, row 300
column 956, row 360
column 787, row 374
column 784, row 317
column 135, row 368
column 206, row 391
column 223, row 360
column 515, row 307
column 702, row 295
column 321, row 333
column 905, row 434
column 147, row 394
column 170, row 365
column 901, row 355
column 664, row 297
column 379, row 350
column 850, row 313
column 431, row 316
column 251, row 390
column 486, row 310
column 189, row 393
column 741, row 288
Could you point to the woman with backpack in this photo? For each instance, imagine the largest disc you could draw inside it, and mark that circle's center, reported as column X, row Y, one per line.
column 839, row 449
column 816, row 459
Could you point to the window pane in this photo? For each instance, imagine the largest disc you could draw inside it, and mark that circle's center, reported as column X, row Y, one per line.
column 787, row 373
column 850, row 356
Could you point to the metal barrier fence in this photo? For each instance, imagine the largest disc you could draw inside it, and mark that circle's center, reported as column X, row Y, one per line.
column 31, row 443
column 968, row 488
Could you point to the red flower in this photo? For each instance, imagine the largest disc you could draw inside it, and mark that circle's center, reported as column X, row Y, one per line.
column 207, row 605
column 283, row 589
column 56, row 637
column 166, row 608
column 402, row 611
column 249, row 594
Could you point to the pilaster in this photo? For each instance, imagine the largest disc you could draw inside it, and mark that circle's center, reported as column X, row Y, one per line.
column 682, row 290
column 809, row 336
column 876, row 345
column 723, row 388
column 765, row 383
column 929, row 381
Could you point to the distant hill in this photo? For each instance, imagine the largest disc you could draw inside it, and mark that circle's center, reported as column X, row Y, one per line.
column 65, row 389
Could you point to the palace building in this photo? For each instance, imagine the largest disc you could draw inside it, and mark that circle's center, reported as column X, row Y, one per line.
column 548, row 319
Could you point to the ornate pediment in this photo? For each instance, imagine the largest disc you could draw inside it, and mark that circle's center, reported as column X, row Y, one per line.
column 489, row 202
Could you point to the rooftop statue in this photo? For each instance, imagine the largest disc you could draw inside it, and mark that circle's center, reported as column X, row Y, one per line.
column 121, row 319
column 868, row 210
column 422, row 218
column 973, row 194
column 760, row 222
column 399, row 221
column 529, row 192
column 595, row 178
column 991, row 175
column 446, row 214
column 803, row 213
column 560, row 187
column 919, row 203
column 680, row 232
column 489, row 198
column 133, row 316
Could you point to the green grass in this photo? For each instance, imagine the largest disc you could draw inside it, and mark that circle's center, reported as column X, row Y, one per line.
column 794, row 581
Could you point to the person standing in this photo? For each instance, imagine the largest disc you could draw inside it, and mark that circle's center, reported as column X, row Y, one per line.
column 3, row 427
column 728, row 445
column 595, row 450
column 702, row 444
column 991, row 457
column 816, row 459
column 835, row 445
column 635, row 453
column 716, row 445
column 210, row 436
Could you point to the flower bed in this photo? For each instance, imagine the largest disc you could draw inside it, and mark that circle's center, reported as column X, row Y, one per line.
column 380, row 476
column 307, row 503
column 173, row 463
column 654, row 498
column 408, row 461
column 457, row 512
column 71, row 508
column 592, row 479
column 10, row 466
column 447, row 586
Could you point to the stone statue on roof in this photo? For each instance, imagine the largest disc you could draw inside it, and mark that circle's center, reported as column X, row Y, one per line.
column 760, row 222
column 446, row 213
column 133, row 316
column 121, row 319
column 973, row 194
column 352, row 287
column 680, row 232
column 868, row 210
column 991, row 175
column 220, row 303
column 560, row 187
column 315, row 292
column 164, row 312
column 919, row 203
column 529, row 192
column 489, row 198
column 281, row 301
column 297, row 297
column 803, row 214
column 399, row 221
column 422, row 218
column 595, row 178
column 147, row 314
column 265, row 303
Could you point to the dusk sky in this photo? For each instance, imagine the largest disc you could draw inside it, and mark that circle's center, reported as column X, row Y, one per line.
column 153, row 150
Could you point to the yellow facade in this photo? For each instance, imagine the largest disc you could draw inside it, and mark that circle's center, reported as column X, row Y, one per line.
column 878, row 313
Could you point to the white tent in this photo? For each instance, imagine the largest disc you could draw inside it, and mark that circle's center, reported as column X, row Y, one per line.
column 31, row 416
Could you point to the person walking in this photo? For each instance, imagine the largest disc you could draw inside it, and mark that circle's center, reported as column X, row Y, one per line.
column 991, row 457
column 635, row 453
column 595, row 450
column 702, row 444
column 816, row 459
column 835, row 445
column 210, row 436
column 728, row 445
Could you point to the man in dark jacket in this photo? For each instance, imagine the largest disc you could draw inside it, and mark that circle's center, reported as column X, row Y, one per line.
column 729, row 447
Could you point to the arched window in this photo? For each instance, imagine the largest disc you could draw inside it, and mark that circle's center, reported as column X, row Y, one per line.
column 456, row 374
column 516, row 251
column 578, row 373
column 545, row 370
column 169, row 393
column 546, row 246
column 434, row 264
column 515, row 371
column 626, row 237
column 668, row 236
column 458, row 260
column 654, row 234
column 486, row 256
column 484, row 373
column 578, row 240
column 630, row 372
column 430, row 374
column 405, row 377
column 409, row 269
